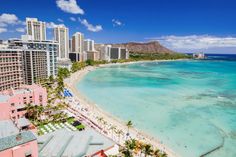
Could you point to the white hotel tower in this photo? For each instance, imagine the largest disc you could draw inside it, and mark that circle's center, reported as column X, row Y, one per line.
column 78, row 45
column 88, row 45
column 36, row 29
column 61, row 35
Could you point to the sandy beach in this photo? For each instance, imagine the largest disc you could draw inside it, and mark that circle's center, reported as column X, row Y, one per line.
column 93, row 112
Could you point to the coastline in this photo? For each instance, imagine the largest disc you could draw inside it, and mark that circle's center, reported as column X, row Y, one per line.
column 71, row 84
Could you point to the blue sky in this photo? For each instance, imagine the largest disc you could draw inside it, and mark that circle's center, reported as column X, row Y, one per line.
column 182, row 25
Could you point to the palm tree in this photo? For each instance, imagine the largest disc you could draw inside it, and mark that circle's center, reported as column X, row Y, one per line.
column 39, row 112
column 163, row 155
column 139, row 147
column 104, row 123
column 100, row 120
column 112, row 129
column 129, row 124
column 156, row 153
column 148, row 150
column 31, row 111
column 126, row 152
column 131, row 144
column 119, row 132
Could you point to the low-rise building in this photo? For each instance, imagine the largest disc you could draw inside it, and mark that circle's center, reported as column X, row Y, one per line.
column 77, row 143
column 118, row 53
column 13, row 102
column 88, row 45
column 93, row 55
column 107, row 52
column 65, row 64
column 14, row 143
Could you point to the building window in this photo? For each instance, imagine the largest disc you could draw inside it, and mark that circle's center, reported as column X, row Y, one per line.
column 13, row 111
column 12, row 104
column 28, row 155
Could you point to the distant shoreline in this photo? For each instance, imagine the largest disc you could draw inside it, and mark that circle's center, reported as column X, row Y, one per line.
column 137, row 134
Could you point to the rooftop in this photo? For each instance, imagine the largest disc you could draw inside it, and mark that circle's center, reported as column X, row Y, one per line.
column 15, row 140
column 22, row 122
column 3, row 98
column 7, row 128
column 67, row 143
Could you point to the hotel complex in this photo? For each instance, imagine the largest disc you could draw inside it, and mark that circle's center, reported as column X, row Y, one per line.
column 36, row 29
column 24, row 63
column 61, row 35
column 13, row 102
column 39, row 59
column 11, row 70
column 77, row 47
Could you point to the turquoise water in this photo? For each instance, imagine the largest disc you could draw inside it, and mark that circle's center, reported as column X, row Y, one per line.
column 189, row 105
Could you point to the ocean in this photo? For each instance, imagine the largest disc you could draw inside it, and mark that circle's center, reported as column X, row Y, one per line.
column 189, row 105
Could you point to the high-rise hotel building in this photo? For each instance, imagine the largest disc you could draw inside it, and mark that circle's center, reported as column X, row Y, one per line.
column 11, row 71
column 88, row 45
column 39, row 59
column 77, row 47
column 36, row 29
column 61, row 35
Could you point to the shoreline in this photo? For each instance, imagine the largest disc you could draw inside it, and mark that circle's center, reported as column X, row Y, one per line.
column 96, row 111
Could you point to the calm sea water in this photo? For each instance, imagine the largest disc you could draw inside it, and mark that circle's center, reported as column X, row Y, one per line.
column 189, row 105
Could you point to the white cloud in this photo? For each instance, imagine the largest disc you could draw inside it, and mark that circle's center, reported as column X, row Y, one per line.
column 72, row 19
column 51, row 25
column 89, row 26
column 2, row 30
column 21, row 30
column 6, row 19
column 60, row 20
column 69, row 6
column 196, row 41
column 116, row 22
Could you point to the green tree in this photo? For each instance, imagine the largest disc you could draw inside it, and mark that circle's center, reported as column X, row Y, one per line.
column 63, row 72
column 129, row 124
column 90, row 62
column 119, row 132
column 148, row 150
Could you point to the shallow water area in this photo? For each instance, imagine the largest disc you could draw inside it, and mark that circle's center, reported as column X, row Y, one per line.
column 189, row 105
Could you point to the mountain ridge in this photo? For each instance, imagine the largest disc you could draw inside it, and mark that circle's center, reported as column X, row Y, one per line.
column 145, row 47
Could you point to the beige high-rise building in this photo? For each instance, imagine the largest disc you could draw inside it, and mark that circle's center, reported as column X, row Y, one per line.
column 88, row 45
column 78, row 45
column 36, row 29
column 11, row 72
column 61, row 35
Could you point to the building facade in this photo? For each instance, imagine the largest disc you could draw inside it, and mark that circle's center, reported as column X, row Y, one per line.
column 13, row 102
column 61, row 35
column 88, row 45
column 118, row 53
column 104, row 52
column 11, row 70
column 107, row 52
column 36, row 29
column 39, row 59
column 16, row 143
column 93, row 55
column 77, row 45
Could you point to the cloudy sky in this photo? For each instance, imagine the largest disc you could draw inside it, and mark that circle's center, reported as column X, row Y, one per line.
column 181, row 25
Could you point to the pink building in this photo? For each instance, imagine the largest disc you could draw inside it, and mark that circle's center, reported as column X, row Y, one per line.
column 16, row 144
column 13, row 102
